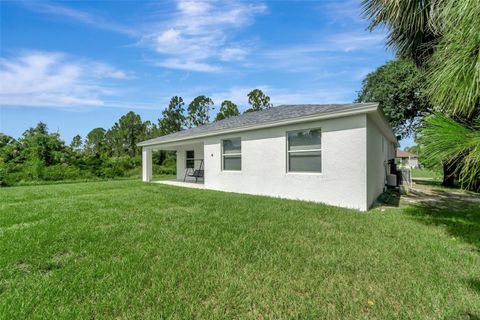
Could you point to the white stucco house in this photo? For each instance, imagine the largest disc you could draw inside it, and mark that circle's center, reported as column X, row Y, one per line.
column 335, row 154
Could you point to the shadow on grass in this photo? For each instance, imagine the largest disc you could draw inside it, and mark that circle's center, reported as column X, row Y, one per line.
column 390, row 198
column 427, row 182
column 475, row 285
column 458, row 213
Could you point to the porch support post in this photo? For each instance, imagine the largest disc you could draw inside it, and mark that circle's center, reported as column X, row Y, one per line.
column 146, row 164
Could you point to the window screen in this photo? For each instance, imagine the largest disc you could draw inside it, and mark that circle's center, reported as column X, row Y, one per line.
column 304, row 151
column 232, row 154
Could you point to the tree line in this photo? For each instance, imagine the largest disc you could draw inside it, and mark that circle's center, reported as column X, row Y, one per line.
column 40, row 155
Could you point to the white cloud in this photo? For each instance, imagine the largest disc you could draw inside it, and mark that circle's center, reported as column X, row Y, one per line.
column 187, row 65
column 340, row 52
column 55, row 80
column 343, row 12
column 357, row 41
column 199, row 34
column 230, row 54
column 81, row 16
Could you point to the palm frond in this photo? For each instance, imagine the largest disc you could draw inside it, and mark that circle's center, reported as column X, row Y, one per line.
column 409, row 22
column 454, row 68
column 444, row 139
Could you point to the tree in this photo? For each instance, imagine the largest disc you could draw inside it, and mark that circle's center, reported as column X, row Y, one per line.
column 442, row 38
column 96, row 141
column 76, row 143
column 5, row 140
column 454, row 144
column 131, row 130
column 415, row 149
column 173, row 119
column 258, row 101
column 41, row 146
column 227, row 109
column 40, row 129
column 151, row 130
column 398, row 88
column 198, row 111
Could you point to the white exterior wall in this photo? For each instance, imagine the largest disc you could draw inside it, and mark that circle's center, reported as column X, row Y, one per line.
column 379, row 151
column 343, row 181
column 181, row 158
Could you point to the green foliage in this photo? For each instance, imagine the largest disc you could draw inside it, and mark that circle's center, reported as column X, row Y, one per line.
column 173, row 119
column 96, row 142
column 415, row 149
column 454, row 68
column 446, row 140
column 398, row 88
column 129, row 131
column 227, row 109
column 63, row 171
column 443, row 37
column 42, row 156
column 76, row 143
column 258, row 101
column 118, row 166
column 198, row 111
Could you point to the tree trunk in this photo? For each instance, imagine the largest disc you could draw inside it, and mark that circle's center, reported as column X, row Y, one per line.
column 448, row 174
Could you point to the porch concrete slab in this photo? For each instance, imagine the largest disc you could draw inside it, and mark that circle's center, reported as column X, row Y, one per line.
column 178, row 183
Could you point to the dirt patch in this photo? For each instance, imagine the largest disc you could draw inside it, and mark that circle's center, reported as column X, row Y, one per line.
column 439, row 197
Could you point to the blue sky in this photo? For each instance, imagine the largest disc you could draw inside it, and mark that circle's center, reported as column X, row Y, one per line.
column 81, row 65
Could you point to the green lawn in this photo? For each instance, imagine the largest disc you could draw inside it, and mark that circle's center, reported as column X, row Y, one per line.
column 426, row 173
column 129, row 250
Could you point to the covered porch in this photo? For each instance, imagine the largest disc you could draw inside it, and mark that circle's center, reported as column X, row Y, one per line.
column 189, row 163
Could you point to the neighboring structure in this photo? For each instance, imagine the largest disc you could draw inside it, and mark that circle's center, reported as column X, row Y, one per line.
column 406, row 159
column 335, row 154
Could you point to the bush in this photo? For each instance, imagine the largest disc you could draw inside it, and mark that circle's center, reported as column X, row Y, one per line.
column 164, row 170
column 119, row 166
column 64, row 172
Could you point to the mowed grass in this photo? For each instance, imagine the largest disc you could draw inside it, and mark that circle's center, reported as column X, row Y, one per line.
column 426, row 173
column 129, row 250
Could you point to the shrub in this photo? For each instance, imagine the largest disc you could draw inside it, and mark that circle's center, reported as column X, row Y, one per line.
column 119, row 166
column 63, row 172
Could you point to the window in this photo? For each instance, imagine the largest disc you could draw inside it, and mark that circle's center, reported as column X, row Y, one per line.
column 232, row 154
column 190, row 159
column 304, row 151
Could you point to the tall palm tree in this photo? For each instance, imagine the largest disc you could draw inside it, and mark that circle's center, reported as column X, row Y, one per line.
column 443, row 38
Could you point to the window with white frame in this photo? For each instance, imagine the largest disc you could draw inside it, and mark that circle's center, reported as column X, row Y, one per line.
column 304, row 151
column 232, row 154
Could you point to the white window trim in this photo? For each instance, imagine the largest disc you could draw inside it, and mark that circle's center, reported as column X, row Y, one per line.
column 304, row 150
column 222, row 158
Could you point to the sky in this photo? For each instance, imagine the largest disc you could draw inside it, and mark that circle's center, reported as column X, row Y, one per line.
column 81, row 65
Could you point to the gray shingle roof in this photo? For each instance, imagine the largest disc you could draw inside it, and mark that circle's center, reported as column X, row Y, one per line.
column 251, row 119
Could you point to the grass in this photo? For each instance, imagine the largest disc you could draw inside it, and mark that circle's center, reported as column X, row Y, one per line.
column 426, row 173
column 125, row 250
